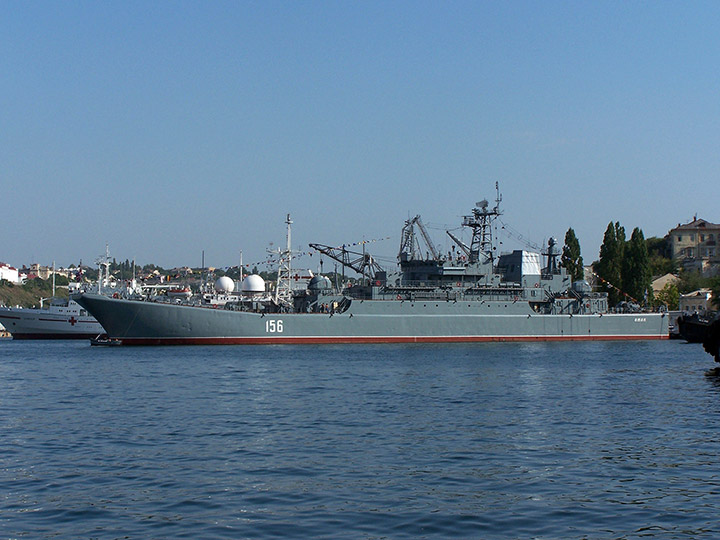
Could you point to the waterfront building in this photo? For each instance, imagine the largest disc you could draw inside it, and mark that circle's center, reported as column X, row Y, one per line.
column 658, row 284
column 696, row 302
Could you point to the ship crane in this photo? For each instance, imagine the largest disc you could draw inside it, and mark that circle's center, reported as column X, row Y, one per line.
column 362, row 263
column 462, row 245
column 409, row 244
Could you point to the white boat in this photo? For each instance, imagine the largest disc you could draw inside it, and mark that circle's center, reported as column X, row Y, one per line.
column 179, row 292
column 63, row 318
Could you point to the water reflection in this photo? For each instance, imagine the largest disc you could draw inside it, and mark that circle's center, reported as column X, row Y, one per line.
column 713, row 376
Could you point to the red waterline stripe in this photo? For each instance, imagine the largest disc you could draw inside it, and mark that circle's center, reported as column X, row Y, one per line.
column 375, row 339
column 44, row 335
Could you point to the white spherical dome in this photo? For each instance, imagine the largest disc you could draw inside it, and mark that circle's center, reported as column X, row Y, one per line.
column 253, row 284
column 225, row 284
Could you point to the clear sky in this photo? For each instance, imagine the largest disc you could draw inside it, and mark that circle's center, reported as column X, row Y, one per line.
column 169, row 128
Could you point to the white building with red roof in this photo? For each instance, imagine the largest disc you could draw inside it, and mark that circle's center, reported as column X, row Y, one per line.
column 9, row 273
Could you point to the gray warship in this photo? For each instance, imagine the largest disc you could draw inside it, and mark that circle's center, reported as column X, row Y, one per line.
column 468, row 295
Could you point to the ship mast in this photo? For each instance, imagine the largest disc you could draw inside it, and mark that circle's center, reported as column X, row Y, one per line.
column 103, row 262
column 283, row 291
column 481, row 224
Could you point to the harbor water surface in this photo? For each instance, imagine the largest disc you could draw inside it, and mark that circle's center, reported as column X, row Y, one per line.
column 536, row 440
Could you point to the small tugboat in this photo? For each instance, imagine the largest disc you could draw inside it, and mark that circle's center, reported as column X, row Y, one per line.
column 102, row 340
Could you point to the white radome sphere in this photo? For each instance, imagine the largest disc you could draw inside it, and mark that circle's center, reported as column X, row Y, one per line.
column 224, row 284
column 253, row 284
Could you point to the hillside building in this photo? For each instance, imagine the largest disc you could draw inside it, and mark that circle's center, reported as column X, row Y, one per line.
column 9, row 273
column 695, row 246
column 659, row 284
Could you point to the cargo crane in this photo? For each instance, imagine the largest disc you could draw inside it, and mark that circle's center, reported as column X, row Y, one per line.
column 462, row 245
column 409, row 244
column 362, row 263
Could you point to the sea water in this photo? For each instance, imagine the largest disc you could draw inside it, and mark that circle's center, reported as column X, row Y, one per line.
column 542, row 440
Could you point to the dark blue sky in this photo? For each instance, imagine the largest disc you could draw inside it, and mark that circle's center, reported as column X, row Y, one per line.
column 169, row 128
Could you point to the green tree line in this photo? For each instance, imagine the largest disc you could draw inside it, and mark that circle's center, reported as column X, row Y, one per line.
column 625, row 268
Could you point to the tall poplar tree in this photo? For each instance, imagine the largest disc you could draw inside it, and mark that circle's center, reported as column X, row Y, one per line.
column 636, row 273
column 609, row 266
column 571, row 257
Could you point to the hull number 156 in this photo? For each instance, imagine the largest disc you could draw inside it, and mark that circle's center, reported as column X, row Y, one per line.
column 274, row 326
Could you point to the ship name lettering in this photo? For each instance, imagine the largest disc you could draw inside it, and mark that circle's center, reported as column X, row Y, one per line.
column 640, row 319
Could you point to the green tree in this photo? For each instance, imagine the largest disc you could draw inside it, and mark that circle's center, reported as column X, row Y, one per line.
column 657, row 246
column 668, row 296
column 715, row 288
column 620, row 232
column 660, row 263
column 571, row 257
column 37, row 284
column 60, row 280
column 636, row 276
column 149, row 268
column 691, row 281
column 609, row 266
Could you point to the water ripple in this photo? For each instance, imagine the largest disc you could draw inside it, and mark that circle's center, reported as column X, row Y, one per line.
column 596, row 440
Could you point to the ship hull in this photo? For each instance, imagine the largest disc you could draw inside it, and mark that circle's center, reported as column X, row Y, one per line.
column 693, row 328
column 368, row 321
column 40, row 324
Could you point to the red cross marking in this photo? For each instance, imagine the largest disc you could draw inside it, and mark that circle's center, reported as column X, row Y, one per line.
column 72, row 320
